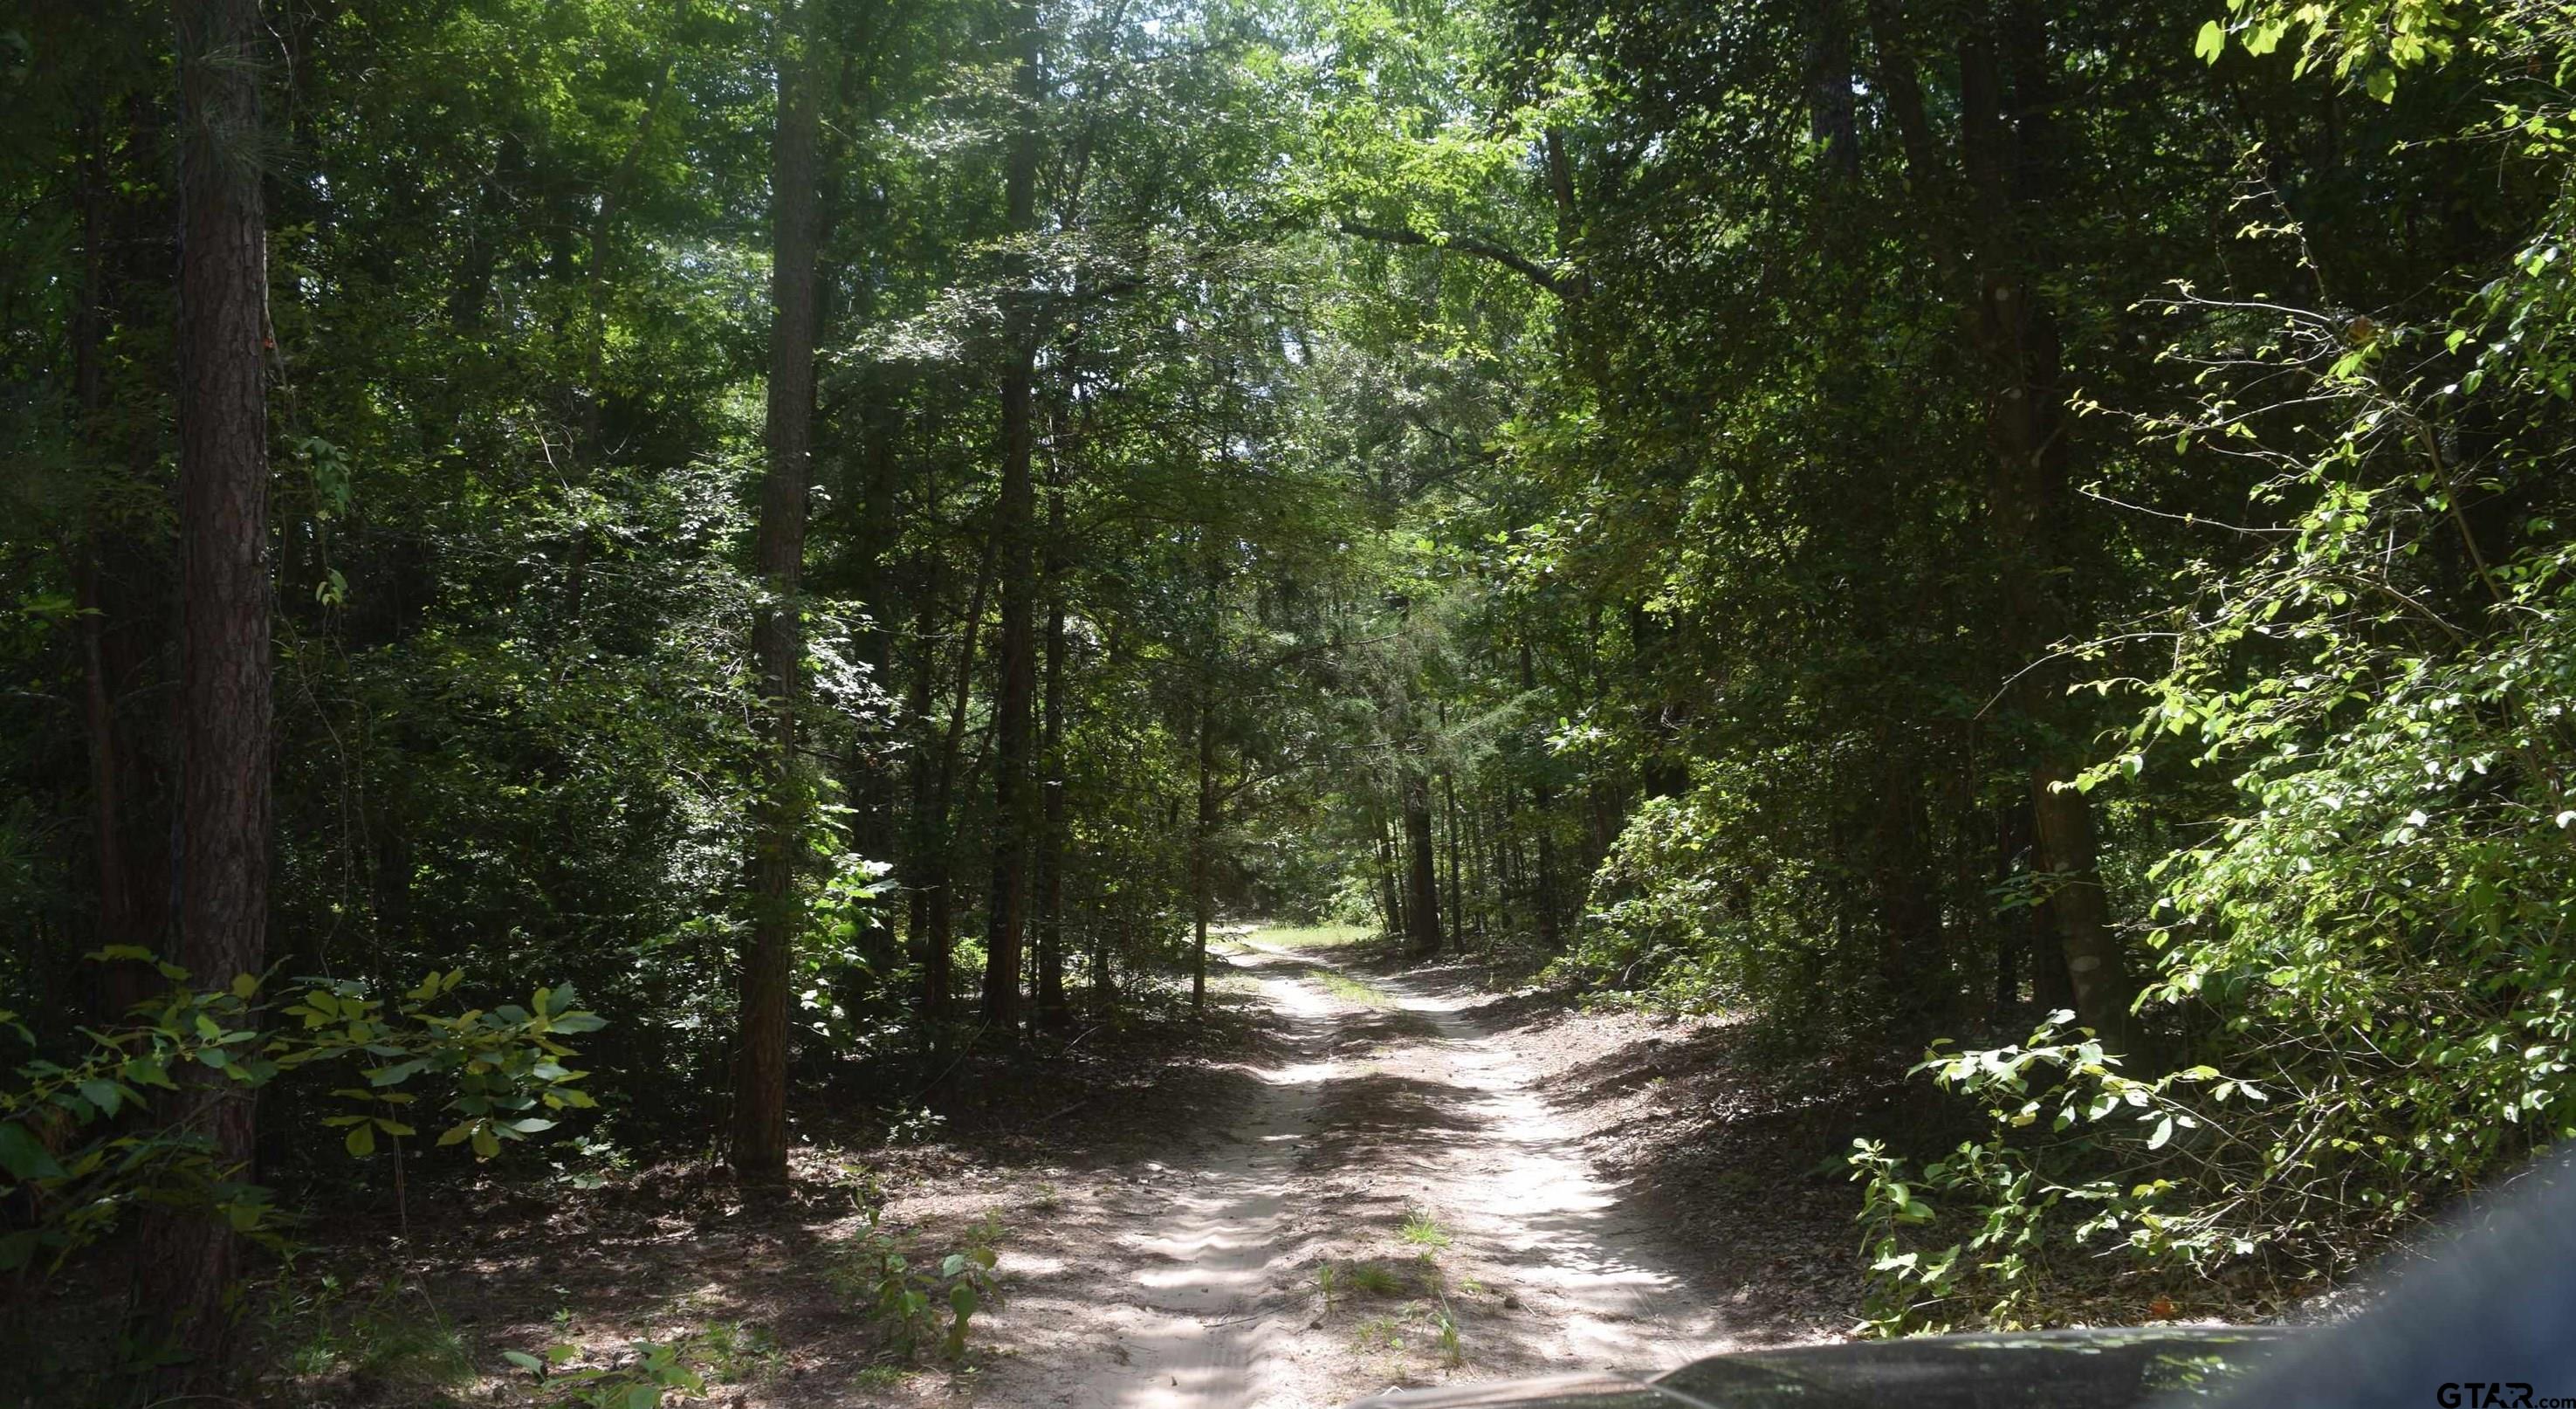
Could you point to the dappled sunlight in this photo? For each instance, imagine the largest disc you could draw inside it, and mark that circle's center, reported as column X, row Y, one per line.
column 1224, row 1284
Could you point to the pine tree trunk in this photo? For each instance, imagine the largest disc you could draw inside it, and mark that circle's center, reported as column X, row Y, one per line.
column 187, row 1262
column 1015, row 505
column 778, row 643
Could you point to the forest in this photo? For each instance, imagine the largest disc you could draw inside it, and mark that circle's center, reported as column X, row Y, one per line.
column 839, row 627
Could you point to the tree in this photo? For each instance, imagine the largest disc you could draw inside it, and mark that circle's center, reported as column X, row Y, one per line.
column 223, row 837
column 1015, row 802
column 778, row 640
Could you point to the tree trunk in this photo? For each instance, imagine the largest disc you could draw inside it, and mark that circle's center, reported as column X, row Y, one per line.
column 778, row 641
column 2016, row 337
column 187, row 1263
column 1913, row 962
column 2006, row 159
column 1390, row 898
column 1053, row 1009
column 937, row 972
column 1457, row 880
column 1202, row 865
column 920, row 876
column 1016, row 527
column 1544, row 804
column 870, row 779
column 1422, row 888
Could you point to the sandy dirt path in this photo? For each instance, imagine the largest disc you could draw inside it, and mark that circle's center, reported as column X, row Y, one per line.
column 1202, row 1284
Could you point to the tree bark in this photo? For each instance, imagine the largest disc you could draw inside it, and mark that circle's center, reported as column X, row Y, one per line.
column 188, row 1261
column 1013, row 816
column 1422, row 887
column 2006, row 147
column 921, row 769
column 1052, row 1008
column 1202, row 864
column 1913, row 961
column 1543, row 804
column 778, row 643
column 2003, row 153
column 937, row 959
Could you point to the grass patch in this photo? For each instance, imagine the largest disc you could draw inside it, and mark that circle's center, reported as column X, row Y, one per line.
column 1422, row 1230
column 1313, row 936
column 1354, row 990
column 881, row 1377
column 737, row 1352
column 385, row 1341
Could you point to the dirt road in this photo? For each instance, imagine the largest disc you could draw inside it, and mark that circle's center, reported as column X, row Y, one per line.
column 1394, row 1205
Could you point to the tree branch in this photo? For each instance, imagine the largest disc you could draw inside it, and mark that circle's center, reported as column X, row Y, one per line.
column 1521, row 264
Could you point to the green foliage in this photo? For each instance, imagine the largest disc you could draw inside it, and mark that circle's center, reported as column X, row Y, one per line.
column 320, row 1330
column 912, row 1306
column 2368, row 935
column 649, row 1374
column 82, row 1169
column 2079, row 1160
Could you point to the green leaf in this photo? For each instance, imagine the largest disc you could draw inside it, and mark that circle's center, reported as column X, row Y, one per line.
column 18, row 1249
column 24, row 1156
column 2212, row 42
column 396, row 1074
column 361, row 1140
column 2163, row 1133
column 106, row 1095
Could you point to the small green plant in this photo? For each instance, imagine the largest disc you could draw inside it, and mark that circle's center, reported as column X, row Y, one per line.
column 595, row 1161
column 905, row 1301
column 1452, row 1352
column 1422, row 1230
column 736, row 1352
column 916, row 1128
column 655, row 1372
column 1379, row 1333
column 1326, row 1278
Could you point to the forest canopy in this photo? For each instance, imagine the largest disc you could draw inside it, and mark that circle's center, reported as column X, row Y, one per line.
column 826, row 537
